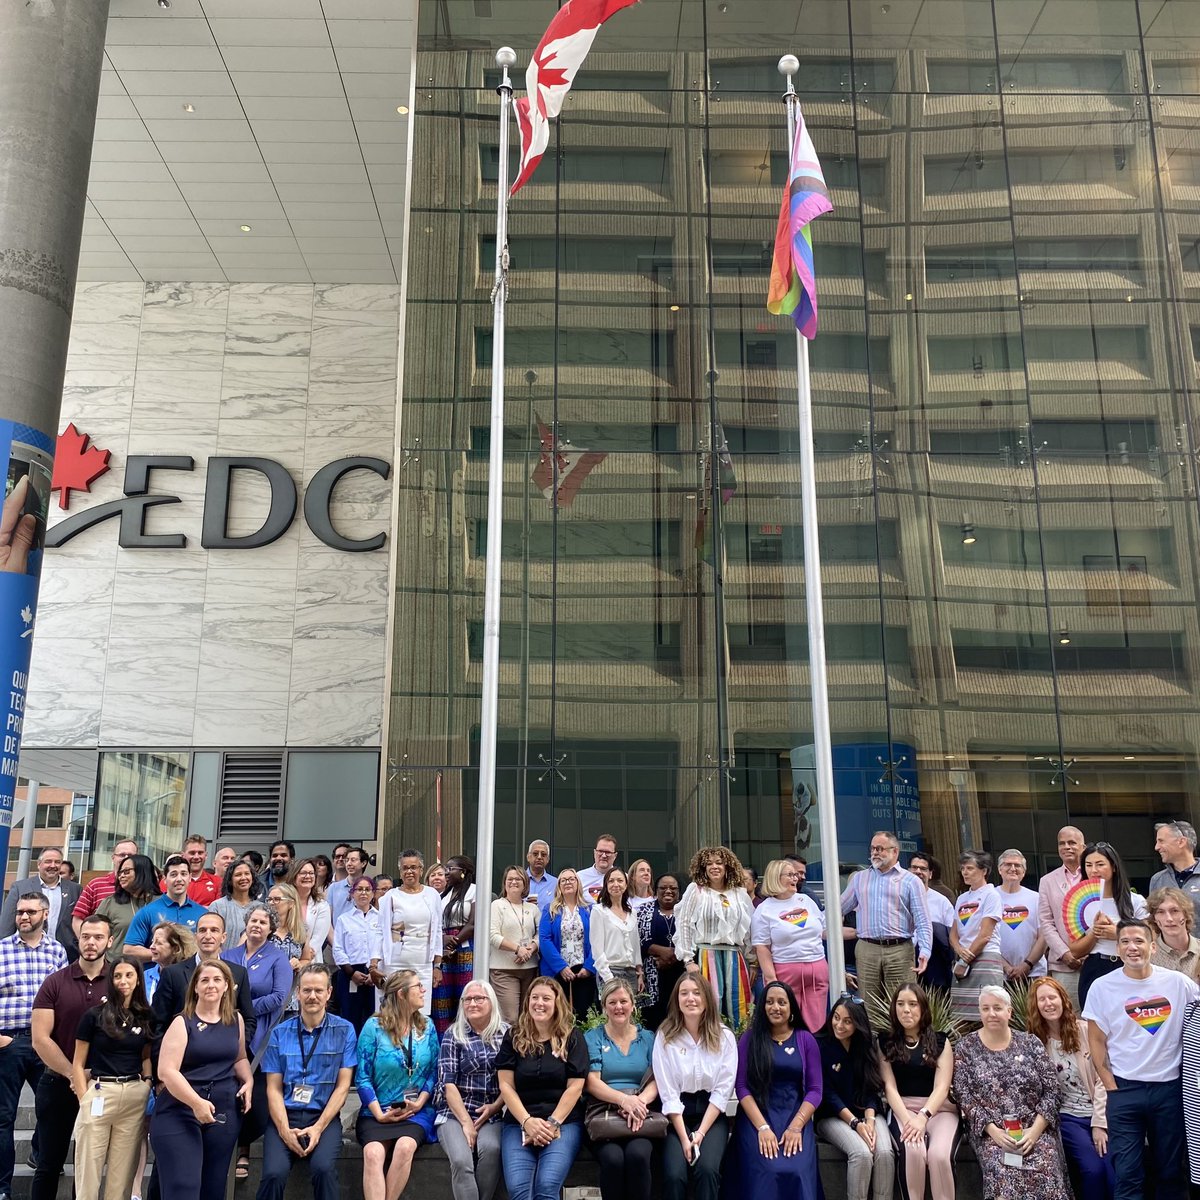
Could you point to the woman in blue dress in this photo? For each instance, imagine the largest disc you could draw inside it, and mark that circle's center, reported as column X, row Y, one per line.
column 779, row 1089
column 397, row 1071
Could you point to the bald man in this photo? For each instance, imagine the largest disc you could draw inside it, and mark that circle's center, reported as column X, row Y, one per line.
column 1064, row 966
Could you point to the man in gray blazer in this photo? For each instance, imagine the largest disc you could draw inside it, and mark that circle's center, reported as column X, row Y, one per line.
column 60, row 894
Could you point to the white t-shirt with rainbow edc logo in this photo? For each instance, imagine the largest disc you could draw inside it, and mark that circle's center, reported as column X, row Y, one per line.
column 1143, row 1022
column 792, row 927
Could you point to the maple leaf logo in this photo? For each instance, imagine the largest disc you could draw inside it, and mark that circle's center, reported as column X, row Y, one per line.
column 76, row 464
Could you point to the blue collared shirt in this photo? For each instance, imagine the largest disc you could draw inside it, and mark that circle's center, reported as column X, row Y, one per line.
column 541, row 890
column 141, row 928
column 337, row 896
column 292, row 1042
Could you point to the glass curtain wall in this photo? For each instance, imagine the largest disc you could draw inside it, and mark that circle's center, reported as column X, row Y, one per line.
column 1005, row 409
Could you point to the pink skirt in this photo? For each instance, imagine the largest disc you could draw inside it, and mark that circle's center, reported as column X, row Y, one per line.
column 810, row 983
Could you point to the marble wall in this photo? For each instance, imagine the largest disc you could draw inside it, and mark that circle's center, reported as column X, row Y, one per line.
column 284, row 645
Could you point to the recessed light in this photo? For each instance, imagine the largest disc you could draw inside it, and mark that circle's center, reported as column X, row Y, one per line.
column 908, row 295
column 164, row 3
column 189, row 108
column 1129, row 758
column 244, row 228
column 674, row 307
column 402, row 109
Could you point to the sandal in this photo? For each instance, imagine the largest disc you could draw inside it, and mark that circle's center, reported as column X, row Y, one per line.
column 242, row 1170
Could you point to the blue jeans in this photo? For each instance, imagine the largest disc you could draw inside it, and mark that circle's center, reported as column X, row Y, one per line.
column 538, row 1172
column 1137, row 1112
column 18, row 1066
column 1091, row 1175
column 323, row 1161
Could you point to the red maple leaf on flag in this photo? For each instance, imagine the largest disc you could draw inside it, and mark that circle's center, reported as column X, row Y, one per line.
column 76, row 464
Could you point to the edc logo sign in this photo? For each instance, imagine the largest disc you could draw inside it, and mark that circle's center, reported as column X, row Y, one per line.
column 77, row 465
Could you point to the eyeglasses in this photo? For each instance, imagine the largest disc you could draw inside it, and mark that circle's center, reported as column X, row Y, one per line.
column 604, row 853
column 850, row 998
column 274, row 899
column 474, row 999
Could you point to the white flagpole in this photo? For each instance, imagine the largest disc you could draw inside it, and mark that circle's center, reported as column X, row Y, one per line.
column 822, row 739
column 505, row 58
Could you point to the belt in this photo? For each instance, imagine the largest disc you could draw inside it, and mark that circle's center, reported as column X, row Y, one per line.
column 14, row 1031
column 897, row 941
column 1108, row 957
column 115, row 1078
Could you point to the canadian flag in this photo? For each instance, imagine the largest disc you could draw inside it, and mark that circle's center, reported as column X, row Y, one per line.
column 558, row 56
column 562, row 466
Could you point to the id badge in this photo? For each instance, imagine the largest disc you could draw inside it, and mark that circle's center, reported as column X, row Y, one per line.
column 302, row 1094
column 97, row 1106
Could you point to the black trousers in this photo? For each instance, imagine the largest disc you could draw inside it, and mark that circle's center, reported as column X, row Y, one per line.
column 56, row 1108
column 705, row 1173
column 625, row 1168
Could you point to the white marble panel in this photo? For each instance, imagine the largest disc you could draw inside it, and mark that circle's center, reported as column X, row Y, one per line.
column 316, row 556
column 100, row 338
column 337, row 371
column 83, row 401
column 95, row 548
column 379, row 393
column 139, row 719
column 329, row 665
column 181, row 349
column 264, row 340
column 348, row 420
column 152, row 666
column 262, row 401
column 321, row 450
column 69, row 665
column 273, row 620
column 343, row 718
column 340, row 604
column 241, row 719
column 280, row 555
column 281, row 438
column 287, row 304
column 109, row 303
column 67, row 585
column 348, row 341
column 243, row 664
column 193, row 305
column 355, row 296
column 167, row 583
column 191, row 430
column 65, row 618
column 60, row 718
column 168, row 391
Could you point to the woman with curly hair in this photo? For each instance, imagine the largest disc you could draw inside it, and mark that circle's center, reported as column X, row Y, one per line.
column 712, row 929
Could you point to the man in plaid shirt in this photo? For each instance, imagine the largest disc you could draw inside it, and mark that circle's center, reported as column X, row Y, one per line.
column 26, row 959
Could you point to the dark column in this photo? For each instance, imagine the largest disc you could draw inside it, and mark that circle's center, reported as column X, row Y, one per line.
column 51, row 52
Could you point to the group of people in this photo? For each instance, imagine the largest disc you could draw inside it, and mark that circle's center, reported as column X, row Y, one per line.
column 680, row 1023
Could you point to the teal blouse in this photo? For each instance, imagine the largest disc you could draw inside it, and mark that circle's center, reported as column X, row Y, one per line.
column 386, row 1071
column 624, row 1072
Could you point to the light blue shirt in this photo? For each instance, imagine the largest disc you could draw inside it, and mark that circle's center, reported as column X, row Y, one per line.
column 141, row 928
column 541, row 890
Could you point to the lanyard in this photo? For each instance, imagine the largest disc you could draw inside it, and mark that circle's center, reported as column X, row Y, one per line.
column 408, row 1054
column 316, row 1037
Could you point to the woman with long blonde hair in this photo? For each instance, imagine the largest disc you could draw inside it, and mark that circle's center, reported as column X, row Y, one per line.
column 565, row 942
column 541, row 1068
column 396, row 1076
column 695, row 1068
column 712, row 929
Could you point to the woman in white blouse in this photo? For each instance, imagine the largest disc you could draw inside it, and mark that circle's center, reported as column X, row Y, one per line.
column 514, row 939
column 313, row 907
column 712, row 929
column 695, row 1067
column 616, row 943
column 410, row 928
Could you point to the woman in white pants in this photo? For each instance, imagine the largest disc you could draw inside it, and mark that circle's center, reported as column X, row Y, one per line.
column 410, row 924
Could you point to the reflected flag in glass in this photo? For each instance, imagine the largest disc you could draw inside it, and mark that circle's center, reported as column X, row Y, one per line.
column 727, row 484
column 562, row 469
column 793, row 287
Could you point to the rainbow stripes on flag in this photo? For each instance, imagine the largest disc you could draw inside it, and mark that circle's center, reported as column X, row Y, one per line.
column 793, row 283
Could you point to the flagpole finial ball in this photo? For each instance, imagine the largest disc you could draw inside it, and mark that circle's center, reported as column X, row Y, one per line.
column 789, row 64
column 506, row 56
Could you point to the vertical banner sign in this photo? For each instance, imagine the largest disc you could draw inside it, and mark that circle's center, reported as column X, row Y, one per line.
column 28, row 456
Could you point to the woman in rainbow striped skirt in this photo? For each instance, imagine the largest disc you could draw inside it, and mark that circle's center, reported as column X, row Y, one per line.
column 712, row 929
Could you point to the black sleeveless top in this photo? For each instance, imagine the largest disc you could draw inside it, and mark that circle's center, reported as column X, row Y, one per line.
column 212, row 1049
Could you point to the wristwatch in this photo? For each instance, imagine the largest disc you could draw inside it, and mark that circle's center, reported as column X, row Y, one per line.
column 924, row 1112
column 551, row 1121
column 764, row 1125
column 855, row 1123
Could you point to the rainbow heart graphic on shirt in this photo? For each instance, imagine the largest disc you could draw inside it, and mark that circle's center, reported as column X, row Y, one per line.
column 967, row 911
column 1015, row 917
column 1151, row 1014
column 797, row 917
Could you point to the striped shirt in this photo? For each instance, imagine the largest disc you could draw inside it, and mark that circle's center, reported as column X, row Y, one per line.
column 93, row 893
column 890, row 904
column 23, row 969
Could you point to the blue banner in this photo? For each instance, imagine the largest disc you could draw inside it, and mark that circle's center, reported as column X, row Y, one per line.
column 874, row 790
column 29, row 457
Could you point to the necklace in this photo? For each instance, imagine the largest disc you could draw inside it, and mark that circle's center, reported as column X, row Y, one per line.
column 912, row 1045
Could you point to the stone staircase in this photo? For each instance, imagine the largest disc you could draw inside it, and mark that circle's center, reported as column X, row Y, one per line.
column 431, row 1173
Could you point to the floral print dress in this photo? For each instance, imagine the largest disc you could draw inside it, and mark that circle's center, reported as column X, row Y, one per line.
column 1019, row 1081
